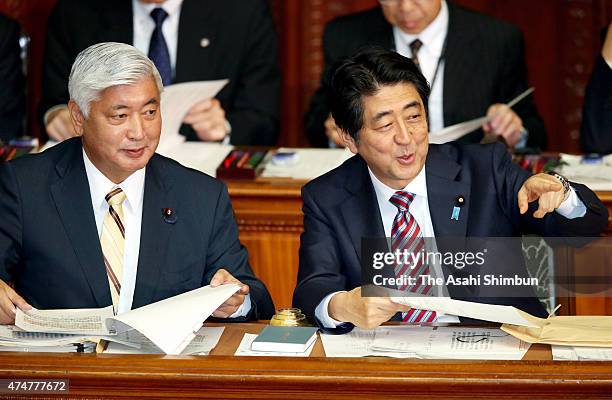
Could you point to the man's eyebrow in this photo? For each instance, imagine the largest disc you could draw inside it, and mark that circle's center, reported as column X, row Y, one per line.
column 380, row 116
column 412, row 104
column 151, row 101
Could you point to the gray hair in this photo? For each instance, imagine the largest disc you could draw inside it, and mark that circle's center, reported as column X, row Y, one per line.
column 103, row 65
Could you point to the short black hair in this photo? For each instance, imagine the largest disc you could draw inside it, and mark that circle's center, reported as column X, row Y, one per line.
column 363, row 74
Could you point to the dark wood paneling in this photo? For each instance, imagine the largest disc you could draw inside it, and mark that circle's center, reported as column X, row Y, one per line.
column 562, row 39
column 32, row 15
column 561, row 42
column 561, row 36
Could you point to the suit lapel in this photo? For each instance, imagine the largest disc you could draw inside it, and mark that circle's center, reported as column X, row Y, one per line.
column 458, row 62
column 360, row 210
column 382, row 32
column 72, row 198
column 196, row 23
column 442, row 193
column 119, row 22
column 154, row 232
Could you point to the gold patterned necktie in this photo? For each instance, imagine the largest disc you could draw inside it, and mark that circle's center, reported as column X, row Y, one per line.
column 415, row 46
column 112, row 241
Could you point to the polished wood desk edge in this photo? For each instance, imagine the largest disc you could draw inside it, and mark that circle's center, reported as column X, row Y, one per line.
column 321, row 368
column 284, row 188
column 157, row 376
column 222, row 360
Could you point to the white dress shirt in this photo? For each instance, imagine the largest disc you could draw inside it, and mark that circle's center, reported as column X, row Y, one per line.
column 133, row 187
column 144, row 26
column 571, row 208
column 432, row 37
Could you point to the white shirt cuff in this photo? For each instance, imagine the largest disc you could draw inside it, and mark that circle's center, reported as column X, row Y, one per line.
column 609, row 62
column 226, row 139
column 51, row 110
column 572, row 207
column 322, row 314
column 244, row 308
column 523, row 141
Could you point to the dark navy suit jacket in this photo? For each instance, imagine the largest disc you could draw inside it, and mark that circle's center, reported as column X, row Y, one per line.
column 49, row 245
column 242, row 47
column 596, row 128
column 340, row 208
column 484, row 63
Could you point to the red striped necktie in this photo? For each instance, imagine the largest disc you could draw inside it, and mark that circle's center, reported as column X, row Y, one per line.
column 406, row 235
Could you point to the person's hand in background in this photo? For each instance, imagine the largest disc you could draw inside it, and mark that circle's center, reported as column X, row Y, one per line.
column 207, row 118
column 58, row 125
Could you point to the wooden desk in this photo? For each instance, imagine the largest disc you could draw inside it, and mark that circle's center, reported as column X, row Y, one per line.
column 270, row 219
column 223, row 376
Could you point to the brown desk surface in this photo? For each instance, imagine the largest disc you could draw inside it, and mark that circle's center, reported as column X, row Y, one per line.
column 222, row 375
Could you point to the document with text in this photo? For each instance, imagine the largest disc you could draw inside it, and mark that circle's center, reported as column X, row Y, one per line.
column 170, row 325
column 450, row 343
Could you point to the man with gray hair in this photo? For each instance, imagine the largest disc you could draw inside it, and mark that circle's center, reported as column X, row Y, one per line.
column 101, row 219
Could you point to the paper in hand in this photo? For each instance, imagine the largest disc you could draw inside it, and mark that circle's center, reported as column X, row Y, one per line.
column 176, row 101
column 454, row 132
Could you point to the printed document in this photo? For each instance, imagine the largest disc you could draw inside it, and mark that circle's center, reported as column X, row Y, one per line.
column 205, row 340
column 450, row 342
column 170, row 324
column 176, row 100
column 454, row 132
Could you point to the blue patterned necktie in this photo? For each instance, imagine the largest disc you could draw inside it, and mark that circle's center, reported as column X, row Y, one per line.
column 158, row 49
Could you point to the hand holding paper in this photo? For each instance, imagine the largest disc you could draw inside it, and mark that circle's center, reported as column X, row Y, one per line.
column 503, row 122
column 9, row 300
column 231, row 305
column 176, row 102
column 454, row 132
column 363, row 311
column 208, row 120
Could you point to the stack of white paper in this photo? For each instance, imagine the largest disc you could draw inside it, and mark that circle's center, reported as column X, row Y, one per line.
column 201, row 156
column 169, row 325
column 595, row 176
column 205, row 340
column 310, row 163
column 450, row 343
column 358, row 343
column 577, row 353
column 14, row 339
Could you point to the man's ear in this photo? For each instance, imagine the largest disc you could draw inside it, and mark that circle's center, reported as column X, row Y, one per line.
column 77, row 117
column 349, row 142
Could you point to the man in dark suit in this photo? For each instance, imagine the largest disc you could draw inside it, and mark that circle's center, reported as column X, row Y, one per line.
column 400, row 187
column 12, row 82
column 197, row 40
column 596, row 129
column 473, row 62
column 66, row 243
